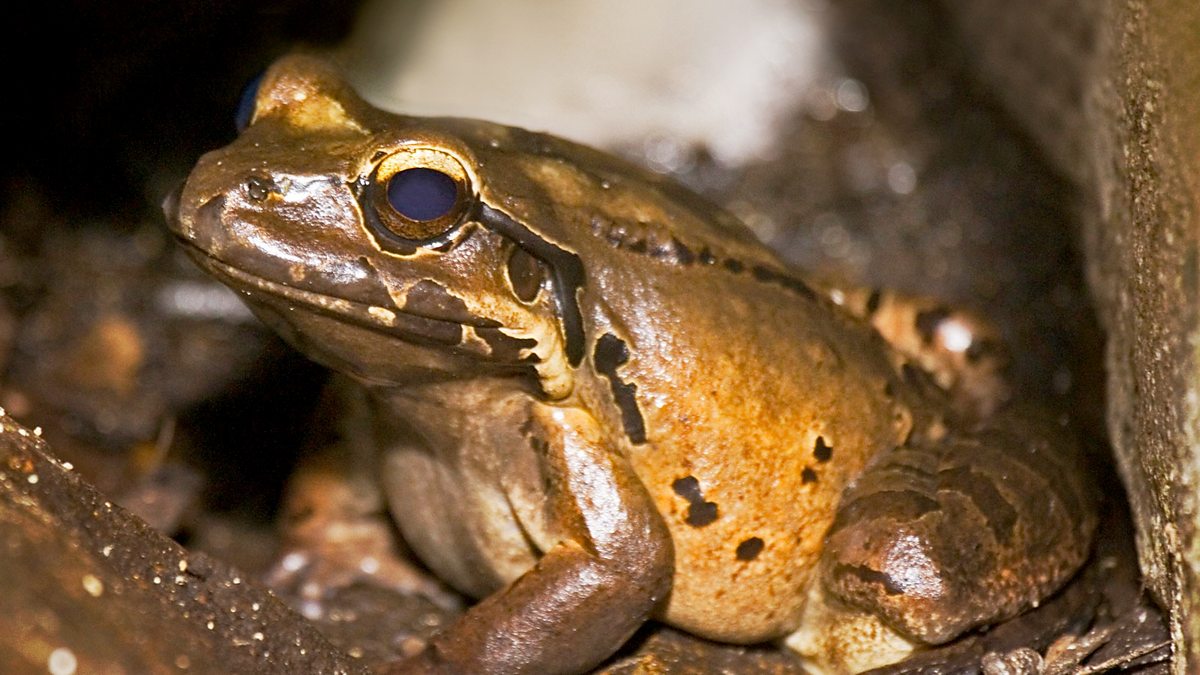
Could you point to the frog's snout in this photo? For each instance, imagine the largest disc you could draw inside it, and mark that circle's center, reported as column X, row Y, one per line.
column 201, row 226
column 170, row 205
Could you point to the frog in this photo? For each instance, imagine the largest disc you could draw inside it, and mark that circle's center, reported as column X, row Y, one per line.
column 599, row 400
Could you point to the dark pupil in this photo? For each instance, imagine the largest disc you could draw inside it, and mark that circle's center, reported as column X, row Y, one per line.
column 422, row 194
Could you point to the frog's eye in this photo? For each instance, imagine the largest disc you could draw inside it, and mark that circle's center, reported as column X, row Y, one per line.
column 245, row 109
column 422, row 194
column 417, row 197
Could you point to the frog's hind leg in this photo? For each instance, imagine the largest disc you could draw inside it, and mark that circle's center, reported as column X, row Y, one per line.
column 945, row 535
column 963, row 351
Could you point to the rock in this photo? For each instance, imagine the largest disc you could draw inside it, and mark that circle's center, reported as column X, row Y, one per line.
column 1110, row 91
column 86, row 587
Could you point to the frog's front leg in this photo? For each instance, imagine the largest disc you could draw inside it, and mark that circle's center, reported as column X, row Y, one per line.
column 944, row 535
column 583, row 599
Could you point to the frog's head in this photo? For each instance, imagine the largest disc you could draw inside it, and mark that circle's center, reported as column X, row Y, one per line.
column 390, row 247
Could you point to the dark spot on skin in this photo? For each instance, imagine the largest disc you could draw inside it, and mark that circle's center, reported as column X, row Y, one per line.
column 707, row 257
column 664, row 251
column 748, row 550
column 610, row 353
column 868, row 576
column 808, row 476
column 734, row 266
column 688, row 488
column 683, row 254
column 505, row 347
column 430, row 299
column 379, row 154
column 873, row 302
column 1001, row 517
column 566, row 267
column 798, row 287
column 700, row 512
column 525, row 274
column 700, row 515
column 802, row 288
column 638, row 246
column 763, row 274
column 927, row 323
column 822, row 451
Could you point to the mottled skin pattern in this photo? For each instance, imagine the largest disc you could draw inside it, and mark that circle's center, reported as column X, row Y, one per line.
column 964, row 354
column 601, row 400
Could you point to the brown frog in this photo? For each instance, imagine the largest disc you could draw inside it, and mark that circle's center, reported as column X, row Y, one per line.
column 603, row 401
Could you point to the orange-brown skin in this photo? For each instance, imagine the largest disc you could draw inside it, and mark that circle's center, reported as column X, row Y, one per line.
column 601, row 399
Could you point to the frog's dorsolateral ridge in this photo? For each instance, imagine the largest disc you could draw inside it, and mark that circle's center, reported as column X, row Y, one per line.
column 606, row 402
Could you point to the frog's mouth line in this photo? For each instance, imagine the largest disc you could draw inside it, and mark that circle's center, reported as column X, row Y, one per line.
column 406, row 325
